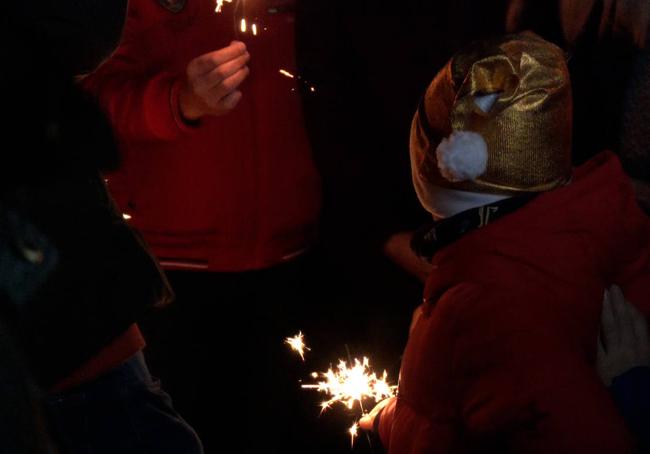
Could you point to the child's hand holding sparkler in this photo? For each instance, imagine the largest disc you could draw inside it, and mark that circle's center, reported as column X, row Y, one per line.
column 212, row 82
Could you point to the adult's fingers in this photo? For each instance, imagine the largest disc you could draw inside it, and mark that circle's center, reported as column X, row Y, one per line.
column 230, row 101
column 610, row 334
column 227, row 86
column 224, row 71
column 207, row 62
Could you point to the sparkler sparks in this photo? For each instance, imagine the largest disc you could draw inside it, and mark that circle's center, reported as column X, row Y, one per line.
column 286, row 73
column 239, row 11
column 354, row 431
column 219, row 6
column 290, row 75
column 297, row 344
column 350, row 385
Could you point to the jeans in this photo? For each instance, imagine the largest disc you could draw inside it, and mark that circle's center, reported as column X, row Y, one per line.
column 125, row 412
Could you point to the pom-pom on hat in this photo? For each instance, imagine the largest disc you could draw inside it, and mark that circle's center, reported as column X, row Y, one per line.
column 496, row 119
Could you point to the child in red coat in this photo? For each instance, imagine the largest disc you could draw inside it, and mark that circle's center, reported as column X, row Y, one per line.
column 501, row 357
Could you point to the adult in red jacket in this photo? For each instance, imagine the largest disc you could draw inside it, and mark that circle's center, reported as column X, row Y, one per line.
column 501, row 357
column 219, row 178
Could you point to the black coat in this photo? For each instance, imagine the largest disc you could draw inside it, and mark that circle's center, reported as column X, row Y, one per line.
column 78, row 276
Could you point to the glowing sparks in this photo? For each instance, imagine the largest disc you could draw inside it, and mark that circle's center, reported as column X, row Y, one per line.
column 245, row 27
column 297, row 344
column 350, row 385
column 286, row 73
column 354, row 431
column 219, row 6
column 299, row 78
column 127, row 217
column 243, row 23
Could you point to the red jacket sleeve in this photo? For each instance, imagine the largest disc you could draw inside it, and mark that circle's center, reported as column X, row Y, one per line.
column 385, row 425
column 141, row 104
column 524, row 382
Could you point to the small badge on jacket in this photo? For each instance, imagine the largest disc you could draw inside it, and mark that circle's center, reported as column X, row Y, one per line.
column 175, row 6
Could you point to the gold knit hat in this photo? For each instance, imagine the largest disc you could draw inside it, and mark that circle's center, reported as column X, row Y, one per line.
column 497, row 119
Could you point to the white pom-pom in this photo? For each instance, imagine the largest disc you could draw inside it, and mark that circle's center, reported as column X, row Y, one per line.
column 463, row 156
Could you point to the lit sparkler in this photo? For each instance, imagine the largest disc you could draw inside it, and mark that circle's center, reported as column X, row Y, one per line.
column 350, row 385
column 297, row 344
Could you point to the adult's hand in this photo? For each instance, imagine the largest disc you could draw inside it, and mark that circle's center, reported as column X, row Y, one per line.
column 212, row 82
column 624, row 342
column 398, row 249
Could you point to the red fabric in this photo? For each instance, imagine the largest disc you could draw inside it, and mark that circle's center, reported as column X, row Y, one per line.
column 111, row 356
column 236, row 192
column 502, row 358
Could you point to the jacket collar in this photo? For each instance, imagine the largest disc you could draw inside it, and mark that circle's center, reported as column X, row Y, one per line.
column 434, row 236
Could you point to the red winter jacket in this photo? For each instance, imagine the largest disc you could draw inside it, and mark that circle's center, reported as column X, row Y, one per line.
column 502, row 357
column 238, row 192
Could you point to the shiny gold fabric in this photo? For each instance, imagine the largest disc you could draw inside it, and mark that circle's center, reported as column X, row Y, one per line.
column 528, row 131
